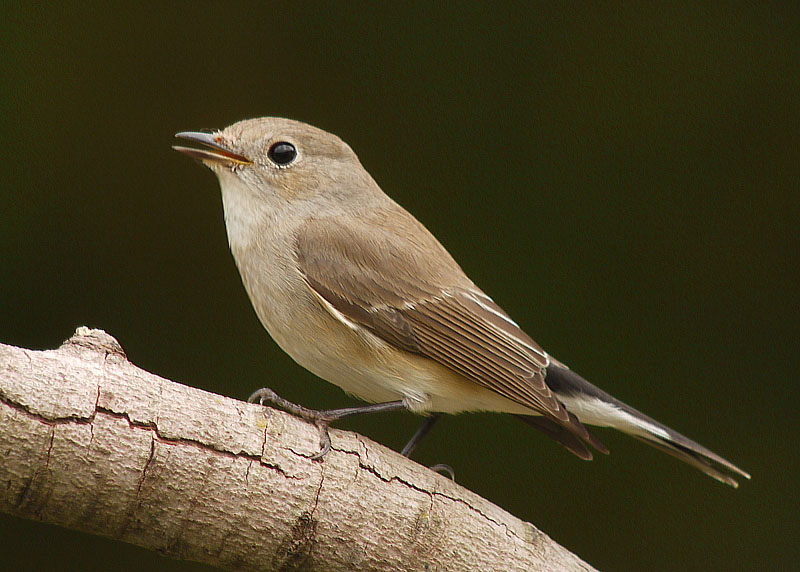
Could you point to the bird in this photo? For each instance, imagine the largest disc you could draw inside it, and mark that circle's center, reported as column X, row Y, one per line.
column 356, row 290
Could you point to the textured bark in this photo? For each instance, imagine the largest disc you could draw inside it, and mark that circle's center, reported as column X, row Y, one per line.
column 91, row 442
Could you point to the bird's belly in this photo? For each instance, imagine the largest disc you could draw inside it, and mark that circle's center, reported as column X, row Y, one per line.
column 369, row 369
column 364, row 365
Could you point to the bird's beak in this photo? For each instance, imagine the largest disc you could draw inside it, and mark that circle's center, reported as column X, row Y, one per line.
column 218, row 153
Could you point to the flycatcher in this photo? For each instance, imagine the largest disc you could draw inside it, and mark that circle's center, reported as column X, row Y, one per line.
column 360, row 293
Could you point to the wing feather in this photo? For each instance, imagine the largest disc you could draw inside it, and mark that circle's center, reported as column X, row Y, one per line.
column 392, row 277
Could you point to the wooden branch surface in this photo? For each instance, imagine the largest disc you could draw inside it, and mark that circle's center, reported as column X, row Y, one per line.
column 91, row 442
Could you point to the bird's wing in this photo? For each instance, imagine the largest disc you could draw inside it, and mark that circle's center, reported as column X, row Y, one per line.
column 410, row 293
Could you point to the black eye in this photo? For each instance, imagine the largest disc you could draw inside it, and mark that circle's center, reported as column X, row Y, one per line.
column 282, row 153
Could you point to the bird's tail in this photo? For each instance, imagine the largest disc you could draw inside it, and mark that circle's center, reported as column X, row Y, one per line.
column 594, row 406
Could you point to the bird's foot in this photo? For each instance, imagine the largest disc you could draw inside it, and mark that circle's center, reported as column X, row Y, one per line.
column 423, row 430
column 442, row 468
column 320, row 418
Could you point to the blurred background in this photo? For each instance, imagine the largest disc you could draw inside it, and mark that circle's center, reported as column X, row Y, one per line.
column 623, row 182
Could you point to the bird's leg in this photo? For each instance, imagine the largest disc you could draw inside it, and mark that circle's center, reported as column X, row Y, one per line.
column 321, row 418
column 423, row 430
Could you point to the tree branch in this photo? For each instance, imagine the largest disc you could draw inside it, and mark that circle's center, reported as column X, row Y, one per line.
column 91, row 442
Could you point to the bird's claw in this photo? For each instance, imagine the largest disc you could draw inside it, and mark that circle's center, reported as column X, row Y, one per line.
column 321, row 419
column 442, row 468
column 324, row 440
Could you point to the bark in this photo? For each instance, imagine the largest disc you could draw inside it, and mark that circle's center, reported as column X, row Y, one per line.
column 91, row 442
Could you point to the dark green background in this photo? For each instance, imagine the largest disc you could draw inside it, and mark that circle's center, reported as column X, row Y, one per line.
column 623, row 182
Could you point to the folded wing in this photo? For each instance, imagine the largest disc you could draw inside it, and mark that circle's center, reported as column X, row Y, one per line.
column 383, row 282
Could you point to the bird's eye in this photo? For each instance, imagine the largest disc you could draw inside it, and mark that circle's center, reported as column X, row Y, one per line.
column 282, row 153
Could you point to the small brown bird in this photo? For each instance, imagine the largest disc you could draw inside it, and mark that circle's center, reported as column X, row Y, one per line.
column 356, row 290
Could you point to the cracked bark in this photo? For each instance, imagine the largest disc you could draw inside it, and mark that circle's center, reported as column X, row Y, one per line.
column 91, row 442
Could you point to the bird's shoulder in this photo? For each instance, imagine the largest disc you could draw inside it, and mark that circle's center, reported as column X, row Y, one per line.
column 382, row 256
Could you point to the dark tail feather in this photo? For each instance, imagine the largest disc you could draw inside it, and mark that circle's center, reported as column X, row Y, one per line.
column 567, row 438
column 683, row 448
column 572, row 388
column 694, row 454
